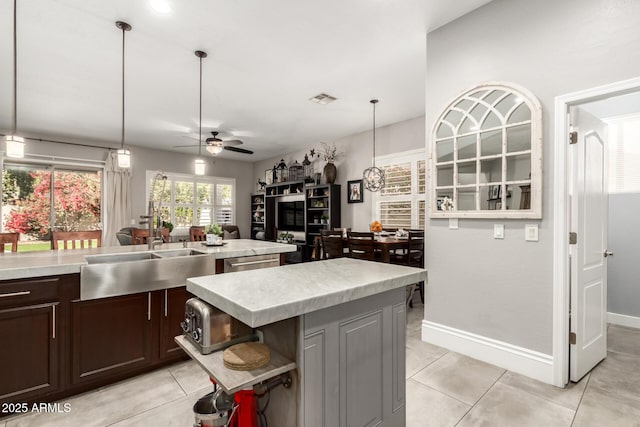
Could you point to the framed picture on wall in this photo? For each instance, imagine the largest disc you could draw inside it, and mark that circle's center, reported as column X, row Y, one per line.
column 355, row 192
column 495, row 192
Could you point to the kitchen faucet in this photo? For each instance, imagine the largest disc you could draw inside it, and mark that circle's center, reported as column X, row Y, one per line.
column 149, row 219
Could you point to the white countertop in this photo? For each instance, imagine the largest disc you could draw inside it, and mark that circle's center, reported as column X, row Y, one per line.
column 19, row 265
column 260, row 297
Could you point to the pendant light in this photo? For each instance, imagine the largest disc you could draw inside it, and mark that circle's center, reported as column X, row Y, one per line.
column 14, row 143
column 373, row 177
column 124, row 155
column 199, row 164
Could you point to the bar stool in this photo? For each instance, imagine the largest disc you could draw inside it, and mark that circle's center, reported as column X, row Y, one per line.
column 196, row 234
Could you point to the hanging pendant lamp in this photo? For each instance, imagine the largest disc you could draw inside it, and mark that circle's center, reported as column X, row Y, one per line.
column 199, row 164
column 373, row 177
column 124, row 155
column 14, row 143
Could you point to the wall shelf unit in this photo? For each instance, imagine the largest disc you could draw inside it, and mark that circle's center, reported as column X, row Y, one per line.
column 257, row 213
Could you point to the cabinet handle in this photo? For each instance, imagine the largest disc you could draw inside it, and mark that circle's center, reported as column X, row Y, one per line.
column 15, row 294
column 148, row 305
column 263, row 261
column 166, row 305
column 53, row 323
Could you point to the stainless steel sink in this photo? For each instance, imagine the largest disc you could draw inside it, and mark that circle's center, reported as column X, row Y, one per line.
column 118, row 258
column 124, row 274
column 176, row 252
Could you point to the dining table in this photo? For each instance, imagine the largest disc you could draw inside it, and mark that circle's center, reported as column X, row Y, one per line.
column 385, row 244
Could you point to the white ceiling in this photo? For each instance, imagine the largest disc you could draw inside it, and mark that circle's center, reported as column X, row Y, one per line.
column 266, row 58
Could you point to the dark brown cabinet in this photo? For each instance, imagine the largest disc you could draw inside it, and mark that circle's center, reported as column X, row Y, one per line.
column 110, row 336
column 170, row 317
column 29, row 357
column 29, row 333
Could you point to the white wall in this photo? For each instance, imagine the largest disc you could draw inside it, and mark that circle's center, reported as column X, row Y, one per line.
column 502, row 289
column 144, row 159
column 623, row 269
column 357, row 149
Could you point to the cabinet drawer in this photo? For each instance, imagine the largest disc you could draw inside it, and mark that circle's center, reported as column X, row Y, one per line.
column 16, row 293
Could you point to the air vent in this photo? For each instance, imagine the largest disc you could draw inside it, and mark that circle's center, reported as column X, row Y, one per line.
column 323, row 99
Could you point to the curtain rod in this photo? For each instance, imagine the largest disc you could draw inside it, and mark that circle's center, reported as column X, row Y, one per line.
column 68, row 143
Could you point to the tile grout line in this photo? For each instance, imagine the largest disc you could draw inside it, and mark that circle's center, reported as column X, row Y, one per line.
column 573, row 420
column 480, row 398
column 441, row 392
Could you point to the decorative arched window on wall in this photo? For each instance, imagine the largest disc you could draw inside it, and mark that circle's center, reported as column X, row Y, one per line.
column 486, row 155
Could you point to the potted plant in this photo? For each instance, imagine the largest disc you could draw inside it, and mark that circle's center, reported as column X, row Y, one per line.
column 324, row 219
column 214, row 234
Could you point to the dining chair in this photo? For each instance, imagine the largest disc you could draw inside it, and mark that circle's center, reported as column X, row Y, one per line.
column 139, row 236
column 196, row 234
column 361, row 245
column 332, row 245
column 412, row 256
column 9, row 238
column 76, row 239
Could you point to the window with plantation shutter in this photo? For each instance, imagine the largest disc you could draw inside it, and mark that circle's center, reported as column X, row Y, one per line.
column 400, row 204
column 194, row 200
column 624, row 155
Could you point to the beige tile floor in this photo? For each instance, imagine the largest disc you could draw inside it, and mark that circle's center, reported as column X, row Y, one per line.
column 443, row 389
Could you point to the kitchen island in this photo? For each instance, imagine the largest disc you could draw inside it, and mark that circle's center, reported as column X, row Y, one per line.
column 340, row 326
column 58, row 343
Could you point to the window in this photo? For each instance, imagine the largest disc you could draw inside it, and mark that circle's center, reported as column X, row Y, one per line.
column 487, row 155
column 187, row 200
column 400, row 204
column 34, row 196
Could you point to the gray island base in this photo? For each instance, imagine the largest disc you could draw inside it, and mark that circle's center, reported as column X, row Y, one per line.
column 338, row 326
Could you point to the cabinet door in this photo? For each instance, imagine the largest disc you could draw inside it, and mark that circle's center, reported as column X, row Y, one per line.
column 29, row 357
column 110, row 336
column 314, row 381
column 173, row 301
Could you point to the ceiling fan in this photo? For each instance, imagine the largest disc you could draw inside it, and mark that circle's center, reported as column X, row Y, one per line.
column 215, row 145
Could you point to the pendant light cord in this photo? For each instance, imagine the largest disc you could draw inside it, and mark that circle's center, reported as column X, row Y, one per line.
column 15, row 69
column 200, row 121
column 374, row 102
column 122, row 132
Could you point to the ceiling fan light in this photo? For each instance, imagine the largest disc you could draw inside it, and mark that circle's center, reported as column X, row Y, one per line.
column 200, row 166
column 15, row 146
column 214, row 149
column 124, row 158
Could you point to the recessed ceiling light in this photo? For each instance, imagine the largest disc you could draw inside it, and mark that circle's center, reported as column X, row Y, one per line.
column 323, row 99
column 160, row 6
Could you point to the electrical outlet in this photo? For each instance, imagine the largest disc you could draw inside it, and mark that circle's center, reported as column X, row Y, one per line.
column 453, row 223
column 498, row 231
column 531, row 232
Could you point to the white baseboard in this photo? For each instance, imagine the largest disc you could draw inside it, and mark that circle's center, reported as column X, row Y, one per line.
column 623, row 320
column 517, row 359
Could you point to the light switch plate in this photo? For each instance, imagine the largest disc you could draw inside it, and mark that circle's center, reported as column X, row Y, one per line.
column 531, row 232
column 453, row 223
column 498, row 231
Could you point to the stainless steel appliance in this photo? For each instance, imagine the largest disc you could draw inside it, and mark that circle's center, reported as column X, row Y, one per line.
column 251, row 262
column 211, row 329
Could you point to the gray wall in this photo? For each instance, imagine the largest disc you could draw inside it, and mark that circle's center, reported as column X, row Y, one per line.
column 398, row 137
column 502, row 289
column 144, row 159
column 623, row 269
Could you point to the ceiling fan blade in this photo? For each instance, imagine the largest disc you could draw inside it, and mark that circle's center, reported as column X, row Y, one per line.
column 232, row 142
column 186, row 146
column 238, row 150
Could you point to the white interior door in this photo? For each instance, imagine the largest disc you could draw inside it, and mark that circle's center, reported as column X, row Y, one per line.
column 589, row 210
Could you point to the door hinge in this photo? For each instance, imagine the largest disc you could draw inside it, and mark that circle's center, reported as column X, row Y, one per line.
column 573, row 238
column 573, row 137
column 572, row 338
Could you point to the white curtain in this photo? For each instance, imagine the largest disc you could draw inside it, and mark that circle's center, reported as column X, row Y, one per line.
column 118, row 198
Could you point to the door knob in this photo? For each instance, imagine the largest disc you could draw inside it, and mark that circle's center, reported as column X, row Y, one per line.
column 608, row 253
